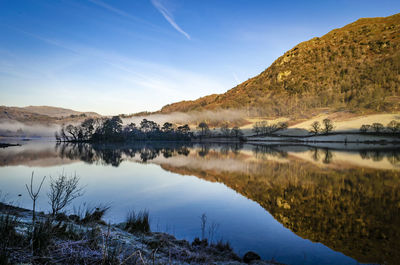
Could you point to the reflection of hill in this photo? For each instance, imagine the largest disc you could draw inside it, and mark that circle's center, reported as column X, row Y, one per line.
column 34, row 158
column 356, row 212
column 350, row 209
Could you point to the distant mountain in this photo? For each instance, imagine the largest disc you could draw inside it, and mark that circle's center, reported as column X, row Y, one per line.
column 354, row 68
column 42, row 114
column 57, row 112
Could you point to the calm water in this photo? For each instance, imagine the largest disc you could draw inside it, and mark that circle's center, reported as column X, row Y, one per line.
column 293, row 204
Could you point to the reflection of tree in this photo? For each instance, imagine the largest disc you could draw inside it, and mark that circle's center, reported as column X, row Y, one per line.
column 236, row 147
column 114, row 154
column 364, row 154
column 148, row 154
column 112, row 157
column 392, row 156
column 184, row 151
column 260, row 151
column 204, row 150
column 224, row 149
column 316, row 155
column 328, row 156
column 377, row 156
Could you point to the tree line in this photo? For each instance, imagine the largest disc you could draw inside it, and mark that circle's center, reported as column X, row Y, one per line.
column 224, row 131
column 392, row 127
column 112, row 129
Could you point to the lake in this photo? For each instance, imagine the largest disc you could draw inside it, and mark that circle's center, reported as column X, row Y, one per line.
column 296, row 204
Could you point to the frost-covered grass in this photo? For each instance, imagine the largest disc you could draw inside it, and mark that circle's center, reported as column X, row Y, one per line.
column 68, row 240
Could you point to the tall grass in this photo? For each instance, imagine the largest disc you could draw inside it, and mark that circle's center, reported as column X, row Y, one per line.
column 85, row 214
column 138, row 223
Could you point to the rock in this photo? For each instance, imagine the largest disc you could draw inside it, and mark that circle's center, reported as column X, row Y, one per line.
column 283, row 75
column 250, row 256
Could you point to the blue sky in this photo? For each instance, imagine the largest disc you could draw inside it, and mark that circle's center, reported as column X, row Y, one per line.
column 125, row 56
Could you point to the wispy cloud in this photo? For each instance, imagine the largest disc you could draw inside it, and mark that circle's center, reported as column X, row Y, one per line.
column 168, row 16
column 121, row 12
column 137, row 80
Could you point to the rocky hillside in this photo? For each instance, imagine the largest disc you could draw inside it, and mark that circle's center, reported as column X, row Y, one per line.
column 354, row 68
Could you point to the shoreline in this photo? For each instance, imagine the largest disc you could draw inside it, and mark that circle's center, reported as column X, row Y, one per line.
column 73, row 242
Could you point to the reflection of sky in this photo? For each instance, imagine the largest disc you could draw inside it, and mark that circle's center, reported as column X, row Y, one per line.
column 176, row 203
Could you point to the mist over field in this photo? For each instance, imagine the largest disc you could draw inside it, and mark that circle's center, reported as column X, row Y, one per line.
column 19, row 129
column 195, row 117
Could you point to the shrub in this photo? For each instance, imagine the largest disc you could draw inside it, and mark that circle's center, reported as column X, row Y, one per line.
column 201, row 243
column 138, row 223
column 94, row 215
column 63, row 190
column 223, row 247
column 8, row 235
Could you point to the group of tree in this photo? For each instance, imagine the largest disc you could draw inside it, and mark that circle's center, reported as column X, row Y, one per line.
column 392, row 127
column 265, row 128
column 326, row 127
column 225, row 131
column 113, row 129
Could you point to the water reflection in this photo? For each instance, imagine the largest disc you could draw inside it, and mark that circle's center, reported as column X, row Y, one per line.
column 111, row 154
column 349, row 200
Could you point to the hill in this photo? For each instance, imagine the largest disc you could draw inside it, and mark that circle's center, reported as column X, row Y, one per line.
column 355, row 68
column 42, row 115
column 57, row 112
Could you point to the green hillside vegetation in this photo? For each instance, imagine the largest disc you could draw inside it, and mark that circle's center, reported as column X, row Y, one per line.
column 355, row 68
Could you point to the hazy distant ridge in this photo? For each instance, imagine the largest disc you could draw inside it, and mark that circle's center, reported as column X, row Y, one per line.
column 41, row 114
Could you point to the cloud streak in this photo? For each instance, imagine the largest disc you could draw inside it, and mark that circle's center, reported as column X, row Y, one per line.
column 168, row 16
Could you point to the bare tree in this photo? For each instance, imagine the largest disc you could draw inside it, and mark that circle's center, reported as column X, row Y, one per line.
column 377, row 127
column 225, row 130
column 364, row 128
column 328, row 126
column 203, row 219
column 264, row 125
column 315, row 127
column 393, row 126
column 236, row 132
column 212, row 230
column 63, row 190
column 283, row 125
column 34, row 196
column 256, row 128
